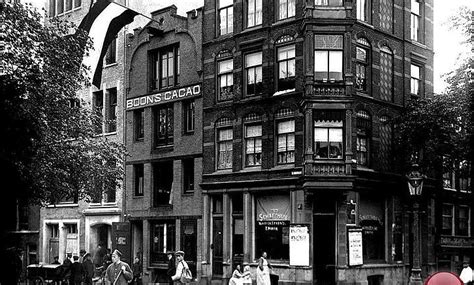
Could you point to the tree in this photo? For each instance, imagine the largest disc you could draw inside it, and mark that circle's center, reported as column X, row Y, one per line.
column 50, row 151
column 440, row 126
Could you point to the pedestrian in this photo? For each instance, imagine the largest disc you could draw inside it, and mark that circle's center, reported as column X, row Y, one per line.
column 66, row 267
column 263, row 270
column 181, row 268
column 56, row 260
column 236, row 278
column 246, row 276
column 88, row 268
column 77, row 272
column 466, row 274
column 99, row 254
column 82, row 252
column 119, row 272
column 171, row 266
column 137, row 271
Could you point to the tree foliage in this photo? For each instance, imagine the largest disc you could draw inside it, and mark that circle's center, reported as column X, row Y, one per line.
column 439, row 126
column 50, row 151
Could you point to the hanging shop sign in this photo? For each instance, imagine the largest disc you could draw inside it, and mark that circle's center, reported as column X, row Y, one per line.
column 164, row 97
column 299, row 245
column 354, row 241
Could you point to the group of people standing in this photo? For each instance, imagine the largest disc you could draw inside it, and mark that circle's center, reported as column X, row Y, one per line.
column 263, row 273
column 77, row 270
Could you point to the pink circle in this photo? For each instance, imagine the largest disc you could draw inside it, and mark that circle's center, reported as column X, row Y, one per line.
column 443, row 278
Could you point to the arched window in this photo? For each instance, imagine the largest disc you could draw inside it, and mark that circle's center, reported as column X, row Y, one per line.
column 253, row 140
column 362, row 65
column 224, row 141
column 286, row 63
column 285, row 136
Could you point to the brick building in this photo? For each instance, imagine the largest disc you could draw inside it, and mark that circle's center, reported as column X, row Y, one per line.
column 298, row 98
column 163, row 115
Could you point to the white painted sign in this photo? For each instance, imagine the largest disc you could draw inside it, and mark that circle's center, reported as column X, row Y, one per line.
column 164, row 97
column 299, row 245
column 354, row 237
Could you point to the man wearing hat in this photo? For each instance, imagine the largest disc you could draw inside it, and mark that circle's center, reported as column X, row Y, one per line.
column 88, row 269
column 171, row 266
column 119, row 272
column 181, row 265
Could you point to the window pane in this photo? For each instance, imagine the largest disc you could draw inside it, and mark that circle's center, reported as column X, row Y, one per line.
column 286, row 127
column 335, row 65
column 320, row 135
column 225, row 66
column 328, row 42
column 253, row 59
column 361, row 54
column 286, row 52
column 335, row 135
column 415, row 71
column 320, row 64
column 253, row 131
column 224, row 3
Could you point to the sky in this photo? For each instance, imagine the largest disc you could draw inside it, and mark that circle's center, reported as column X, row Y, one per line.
column 446, row 42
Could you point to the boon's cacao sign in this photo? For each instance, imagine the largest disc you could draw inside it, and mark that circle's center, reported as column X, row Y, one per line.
column 164, row 97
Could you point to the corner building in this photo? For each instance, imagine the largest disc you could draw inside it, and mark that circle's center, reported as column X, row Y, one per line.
column 163, row 114
column 298, row 98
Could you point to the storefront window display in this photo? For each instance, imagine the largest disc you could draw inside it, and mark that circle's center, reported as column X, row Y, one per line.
column 372, row 221
column 272, row 226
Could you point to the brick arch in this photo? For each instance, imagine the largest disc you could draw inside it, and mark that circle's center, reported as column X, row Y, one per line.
column 220, row 115
column 384, row 43
column 284, row 105
column 363, row 35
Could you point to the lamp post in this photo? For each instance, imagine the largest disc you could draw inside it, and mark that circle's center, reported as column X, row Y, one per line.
column 415, row 186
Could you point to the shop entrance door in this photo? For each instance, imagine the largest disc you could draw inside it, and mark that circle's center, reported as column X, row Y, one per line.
column 217, row 252
column 324, row 249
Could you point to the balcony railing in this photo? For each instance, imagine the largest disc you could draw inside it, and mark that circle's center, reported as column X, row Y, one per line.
column 328, row 89
column 327, row 168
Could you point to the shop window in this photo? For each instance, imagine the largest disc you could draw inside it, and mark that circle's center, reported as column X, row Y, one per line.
column 237, row 227
column 226, row 16
column 286, row 67
column 272, row 226
column 138, row 180
column 163, row 236
column 397, row 235
column 328, row 58
column 328, row 135
column 286, row 9
column 448, row 219
column 189, row 242
column 162, row 183
column 188, row 175
column 164, row 125
column 372, row 222
column 139, row 124
column 253, row 74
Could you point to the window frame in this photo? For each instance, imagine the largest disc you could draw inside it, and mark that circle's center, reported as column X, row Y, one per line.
column 467, row 222
column 287, row 62
column 286, row 5
column 162, row 169
column 189, row 116
column 110, row 57
column 138, row 180
column 329, row 51
column 168, row 236
column 364, row 133
column 229, row 22
column 111, row 112
column 329, row 3
column 255, row 14
column 418, row 80
column 452, row 218
column 229, row 149
column 139, row 124
column 257, row 156
column 364, row 45
column 363, row 13
column 98, row 109
column 328, row 121
column 156, row 58
column 228, row 74
column 257, row 68
column 168, row 137
column 415, row 20
column 188, row 180
column 389, row 52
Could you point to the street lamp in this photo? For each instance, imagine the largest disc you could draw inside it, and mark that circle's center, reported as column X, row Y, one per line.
column 415, row 186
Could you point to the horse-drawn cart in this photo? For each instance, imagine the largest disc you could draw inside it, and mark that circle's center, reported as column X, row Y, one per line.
column 44, row 274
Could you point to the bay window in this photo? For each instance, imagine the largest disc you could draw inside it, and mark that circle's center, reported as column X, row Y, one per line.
column 328, row 58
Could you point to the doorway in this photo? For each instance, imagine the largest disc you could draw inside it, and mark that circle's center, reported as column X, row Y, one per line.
column 324, row 242
column 217, row 252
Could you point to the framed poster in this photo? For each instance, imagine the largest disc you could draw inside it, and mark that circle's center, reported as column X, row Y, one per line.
column 354, row 242
column 299, row 244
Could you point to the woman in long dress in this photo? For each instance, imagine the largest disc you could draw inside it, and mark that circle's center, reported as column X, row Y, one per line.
column 263, row 270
